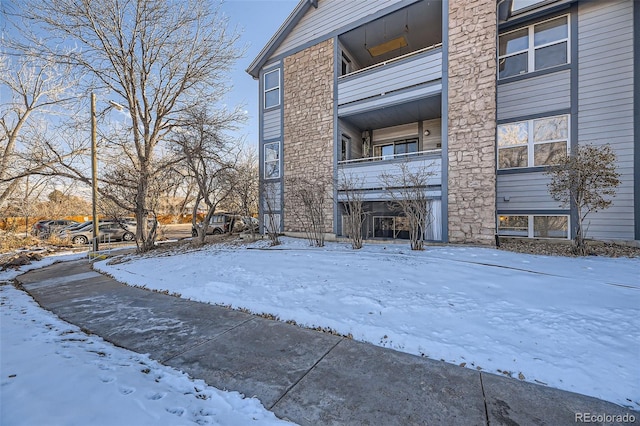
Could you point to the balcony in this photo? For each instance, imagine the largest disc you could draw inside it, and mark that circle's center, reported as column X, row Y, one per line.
column 395, row 59
column 366, row 171
column 412, row 76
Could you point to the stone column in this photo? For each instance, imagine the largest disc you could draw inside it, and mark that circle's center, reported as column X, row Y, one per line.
column 472, row 121
column 308, row 126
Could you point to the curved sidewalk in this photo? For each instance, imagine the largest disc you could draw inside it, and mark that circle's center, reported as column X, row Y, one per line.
column 308, row 377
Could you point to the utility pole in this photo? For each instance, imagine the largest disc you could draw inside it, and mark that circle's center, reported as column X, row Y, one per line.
column 94, row 172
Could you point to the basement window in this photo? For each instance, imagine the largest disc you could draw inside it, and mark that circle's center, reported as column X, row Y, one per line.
column 534, row 226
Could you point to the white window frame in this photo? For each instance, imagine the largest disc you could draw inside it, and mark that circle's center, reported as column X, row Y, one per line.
column 531, row 143
column 267, row 222
column 346, row 64
column 530, row 223
column 345, row 141
column 277, row 143
column 393, row 144
column 271, row 89
column 531, row 49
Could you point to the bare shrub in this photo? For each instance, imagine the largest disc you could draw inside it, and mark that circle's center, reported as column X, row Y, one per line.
column 349, row 187
column 270, row 204
column 584, row 179
column 309, row 200
column 407, row 189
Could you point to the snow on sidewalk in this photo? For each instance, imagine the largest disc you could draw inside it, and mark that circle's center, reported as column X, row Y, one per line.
column 53, row 373
column 570, row 323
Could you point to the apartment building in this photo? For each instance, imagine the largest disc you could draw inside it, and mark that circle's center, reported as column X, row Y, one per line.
column 482, row 94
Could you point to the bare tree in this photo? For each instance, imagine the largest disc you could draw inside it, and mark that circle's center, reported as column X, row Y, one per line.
column 407, row 189
column 181, row 191
column 157, row 58
column 211, row 157
column 271, row 203
column 244, row 198
column 350, row 188
column 31, row 86
column 584, row 179
column 309, row 198
column 25, row 200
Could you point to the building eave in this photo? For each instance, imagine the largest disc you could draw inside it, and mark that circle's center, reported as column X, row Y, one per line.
column 284, row 30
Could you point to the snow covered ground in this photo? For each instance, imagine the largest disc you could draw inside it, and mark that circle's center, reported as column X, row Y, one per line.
column 51, row 373
column 570, row 323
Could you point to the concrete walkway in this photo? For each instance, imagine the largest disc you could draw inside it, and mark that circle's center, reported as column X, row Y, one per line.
column 309, row 377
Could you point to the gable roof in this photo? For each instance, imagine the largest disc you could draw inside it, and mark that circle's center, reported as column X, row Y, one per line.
column 284, row 30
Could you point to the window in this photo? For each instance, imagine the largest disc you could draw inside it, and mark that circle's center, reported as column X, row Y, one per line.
column 345, row 148
column 533, row 48
column 271, row 222
column 521, row 4
column 346, row 65
column 538, row 142
column 534, row 226
column 272, row 89
column 390, row 150
column 514, row 226
column 391, row 227
column 272, row 160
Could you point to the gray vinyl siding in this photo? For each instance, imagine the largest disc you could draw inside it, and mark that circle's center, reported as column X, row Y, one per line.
column 391, row 99
column 329, row 16
column 548, row 92
column 435, row 134
column 355, row 135
column 368, row 173
column 409, row 72
column 605, row 103
column 525, row 191
column 272, row 124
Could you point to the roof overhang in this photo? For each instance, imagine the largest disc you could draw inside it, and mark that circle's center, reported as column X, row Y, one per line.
column 291, row 21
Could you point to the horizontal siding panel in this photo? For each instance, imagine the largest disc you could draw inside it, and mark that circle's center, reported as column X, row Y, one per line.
column 329, row 16
column 535, row 95
column 596, row 56
column 394, row 98
column 272, row 124
column 610, row 115
column 591, row 18
column 421, row 68
column 368, row 174
column 525, row 191
column 605, row 103
column 610, row 46
column 596, row 29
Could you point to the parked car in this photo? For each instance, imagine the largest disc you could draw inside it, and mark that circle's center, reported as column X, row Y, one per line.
column 39, row 227
column 55, row 226
column 108, row 231
column 89, row 223
column 246, row 223
column 218, row 224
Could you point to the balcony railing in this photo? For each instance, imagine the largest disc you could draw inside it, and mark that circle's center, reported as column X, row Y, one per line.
column 390, row 61
column 431, row 152
column 367, row 171
column 403, row 72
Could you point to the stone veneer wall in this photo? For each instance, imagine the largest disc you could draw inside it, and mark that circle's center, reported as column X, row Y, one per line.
column 472, row 121
column 308, row 126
